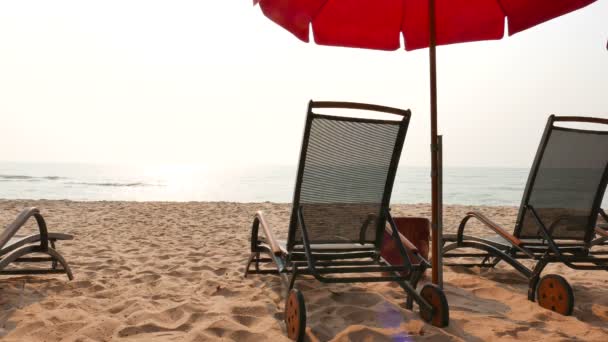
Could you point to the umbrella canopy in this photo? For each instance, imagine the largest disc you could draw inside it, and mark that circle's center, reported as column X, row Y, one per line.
column 378, row 24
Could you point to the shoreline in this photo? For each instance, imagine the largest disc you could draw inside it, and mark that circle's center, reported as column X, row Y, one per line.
column 19, row 200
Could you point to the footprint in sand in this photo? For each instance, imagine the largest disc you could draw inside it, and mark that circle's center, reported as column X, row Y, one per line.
column 512, row 332
column 247, row 321
column 223, row 327
column 151, row 328
column 247, row 336
column 147, row 278
column 364, row 299
column 251, row 310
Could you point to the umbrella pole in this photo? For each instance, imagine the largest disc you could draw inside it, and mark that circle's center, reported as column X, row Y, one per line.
column 436, row 216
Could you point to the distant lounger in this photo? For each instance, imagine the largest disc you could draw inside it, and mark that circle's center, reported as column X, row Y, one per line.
column 17, row 249
column 558, row 216
column 340, row 212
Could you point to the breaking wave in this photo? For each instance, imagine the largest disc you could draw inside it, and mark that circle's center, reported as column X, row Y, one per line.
column 28, row 178
column 112, row 184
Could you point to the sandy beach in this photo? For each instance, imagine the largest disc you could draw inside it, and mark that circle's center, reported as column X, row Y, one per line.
column 160, row 271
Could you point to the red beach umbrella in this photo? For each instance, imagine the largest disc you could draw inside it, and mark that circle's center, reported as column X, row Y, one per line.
column 378, row 24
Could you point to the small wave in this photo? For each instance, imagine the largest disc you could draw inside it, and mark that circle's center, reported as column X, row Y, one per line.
column 16, row 177
column 53, row 177
column 28, row 178
column 111, row 184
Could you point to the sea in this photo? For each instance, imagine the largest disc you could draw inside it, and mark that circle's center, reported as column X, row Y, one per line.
column 260, row 183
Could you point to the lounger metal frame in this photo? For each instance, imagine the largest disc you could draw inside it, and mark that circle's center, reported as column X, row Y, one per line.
column 42, row 243
column 574, row 254
column 304, row 259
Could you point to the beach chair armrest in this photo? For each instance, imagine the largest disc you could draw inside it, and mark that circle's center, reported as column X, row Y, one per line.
column 258, row 221
column 488, row 223
column 20, row 220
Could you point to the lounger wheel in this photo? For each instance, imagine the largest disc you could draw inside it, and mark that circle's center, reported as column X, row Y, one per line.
column 555, row 294
column 432, row 294
column 295, row 315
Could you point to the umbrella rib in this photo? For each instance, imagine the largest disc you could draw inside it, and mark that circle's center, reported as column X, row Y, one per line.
column 312, row 17
column 504, row 12
column 401, row 32
column 502, row 8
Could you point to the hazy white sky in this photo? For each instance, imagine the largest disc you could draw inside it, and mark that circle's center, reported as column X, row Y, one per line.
column 216, row 82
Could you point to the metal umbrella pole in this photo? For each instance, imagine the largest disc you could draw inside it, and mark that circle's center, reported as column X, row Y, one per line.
column 436, row 164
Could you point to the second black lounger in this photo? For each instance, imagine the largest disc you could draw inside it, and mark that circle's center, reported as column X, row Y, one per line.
column 557, row 220
column 19, row 249
column 340, row 211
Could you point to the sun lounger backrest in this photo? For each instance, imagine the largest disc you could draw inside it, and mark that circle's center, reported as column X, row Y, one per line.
column 567, row 182
column 346, row 173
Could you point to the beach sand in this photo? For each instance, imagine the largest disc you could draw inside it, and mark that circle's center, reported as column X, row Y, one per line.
column 174, row 272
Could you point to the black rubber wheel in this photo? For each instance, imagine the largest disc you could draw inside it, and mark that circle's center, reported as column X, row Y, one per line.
column 554, row 293
column 295, row 315
column 432, row 294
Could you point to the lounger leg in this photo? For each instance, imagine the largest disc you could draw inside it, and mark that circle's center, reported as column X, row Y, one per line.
column 533, row 281
column 54, row 263
column 18, row 254
column 409, row 304
column 292, row 281
column 56, row 256
column 257, row 262
column 249, row 260
column 409, row 287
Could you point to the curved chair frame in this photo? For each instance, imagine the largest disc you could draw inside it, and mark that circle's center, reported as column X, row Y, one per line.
column 574, row 254
column 42, row 243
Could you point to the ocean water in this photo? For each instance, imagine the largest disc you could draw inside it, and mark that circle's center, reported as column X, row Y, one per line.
column 87, row 182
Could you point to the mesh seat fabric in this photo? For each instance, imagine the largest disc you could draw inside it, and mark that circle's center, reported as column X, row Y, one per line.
column 346, row 169
column 570, row 173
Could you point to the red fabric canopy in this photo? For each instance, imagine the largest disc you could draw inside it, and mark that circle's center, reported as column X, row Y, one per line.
column 377, row 24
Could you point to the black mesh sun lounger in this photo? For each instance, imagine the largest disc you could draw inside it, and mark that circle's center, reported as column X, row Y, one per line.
column 340, row 211
column 34, row 248
column 558, row 216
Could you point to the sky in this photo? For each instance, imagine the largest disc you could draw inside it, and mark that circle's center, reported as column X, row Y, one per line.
column 216, row 82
